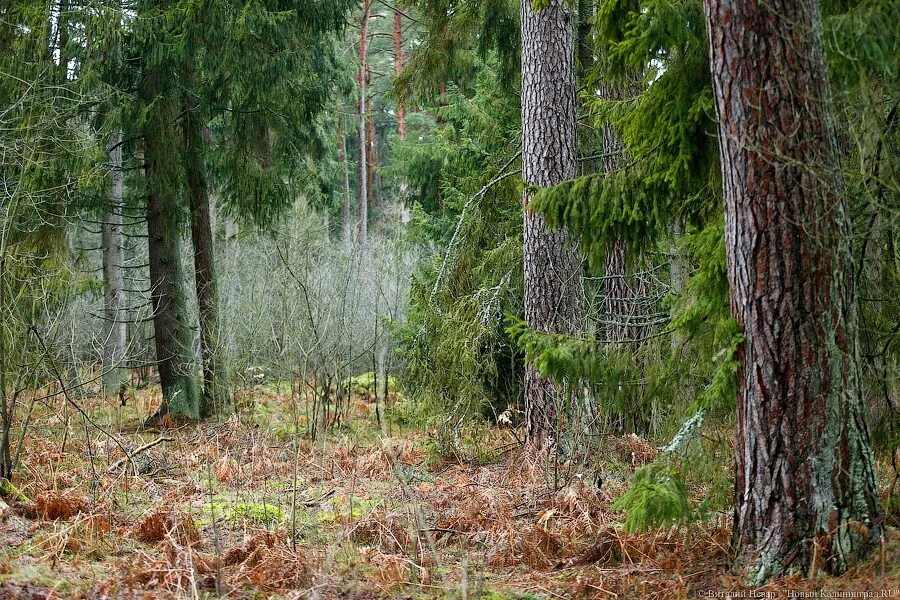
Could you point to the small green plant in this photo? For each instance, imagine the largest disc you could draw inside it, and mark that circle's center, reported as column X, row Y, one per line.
column 657, row 497
column 364, row 384
column 261, row 514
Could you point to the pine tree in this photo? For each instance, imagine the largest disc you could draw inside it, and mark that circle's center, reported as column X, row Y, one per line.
column 805, row 481
column 363, row 130
column 553, row 284
column 160, row 103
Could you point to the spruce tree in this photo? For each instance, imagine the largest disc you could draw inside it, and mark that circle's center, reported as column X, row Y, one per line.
column 159, row 105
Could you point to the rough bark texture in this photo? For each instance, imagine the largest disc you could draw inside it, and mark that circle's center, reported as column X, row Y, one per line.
column 622, row 307
column 115, row 333
column 215, row 378
column 553, row 284
column 805, row 484
column 362, row 77
column 171, row 332
column 398, row 68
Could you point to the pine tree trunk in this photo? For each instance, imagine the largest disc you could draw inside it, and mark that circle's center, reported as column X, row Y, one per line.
column 553, row 283
column 805, row 483
column 398, row 68
column 371, row 180
column 172, row 333
column 361, row 116
column 215, row 377
column 115, row 334
column 401, row 109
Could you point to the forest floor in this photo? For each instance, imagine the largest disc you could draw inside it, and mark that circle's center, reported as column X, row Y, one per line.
column 207, row 512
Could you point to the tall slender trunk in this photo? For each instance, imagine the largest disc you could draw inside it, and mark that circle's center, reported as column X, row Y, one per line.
column 171, row 329
column 115, row 334
column 398, row 68
column 62, row 38
column 678, row 273
column 553, row 279
column 621, row 298
column 371, row 157
column 361, row 117
column 215, row 377
column 805, row 482
column 6, row 412
column 401, row 109
column 346, row 225
column 587, row 142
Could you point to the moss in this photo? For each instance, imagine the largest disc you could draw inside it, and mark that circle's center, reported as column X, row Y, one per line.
column 8, row 490
column 361, row 507
column 364, row 384
column 184, row 400
column 262, row 514
column 222, row 510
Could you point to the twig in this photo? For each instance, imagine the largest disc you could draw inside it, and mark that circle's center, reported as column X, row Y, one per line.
column 462, row 216
column 130, row 456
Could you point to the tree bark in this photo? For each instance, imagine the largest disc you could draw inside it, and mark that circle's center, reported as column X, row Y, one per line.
column 553, row 280
column 172, row 333
column 362, row 77
column 115, row 333
column 371, row 158
column 621, row 299
column 215, row 377
column 805, row 483
column 398, row 68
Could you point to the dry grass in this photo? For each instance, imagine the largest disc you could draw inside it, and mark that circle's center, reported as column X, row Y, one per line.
column 238, row 509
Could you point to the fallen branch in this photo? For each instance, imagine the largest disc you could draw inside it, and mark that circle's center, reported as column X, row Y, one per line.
column 129, row 456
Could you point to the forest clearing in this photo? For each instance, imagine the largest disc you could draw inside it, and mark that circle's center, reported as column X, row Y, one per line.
column 499, row 299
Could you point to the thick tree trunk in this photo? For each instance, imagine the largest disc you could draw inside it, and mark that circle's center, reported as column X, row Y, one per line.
column 115, row 336
column 172, row 334
column 215, row 378
column 553, row 284
column 805, row 490
column 398, row 68
column 362, row 77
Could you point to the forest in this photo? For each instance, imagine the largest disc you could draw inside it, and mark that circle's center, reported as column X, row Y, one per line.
column 419, row 299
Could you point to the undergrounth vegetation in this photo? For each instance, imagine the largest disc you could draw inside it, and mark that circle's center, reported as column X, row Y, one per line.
column 239, row 508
